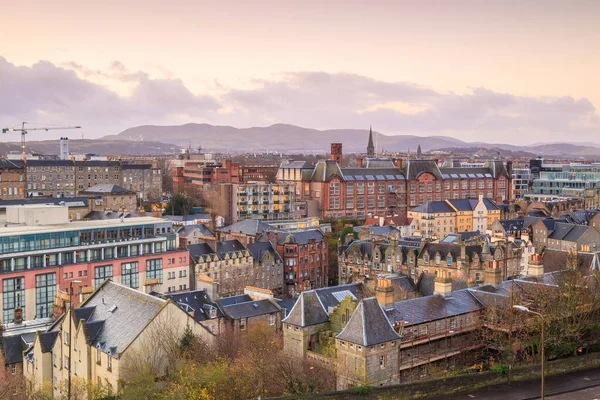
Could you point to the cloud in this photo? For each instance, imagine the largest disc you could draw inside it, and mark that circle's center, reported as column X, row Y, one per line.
column 73, row 94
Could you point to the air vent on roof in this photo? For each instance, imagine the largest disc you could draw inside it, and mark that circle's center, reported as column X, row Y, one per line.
column 112, row 308
column 254, row 305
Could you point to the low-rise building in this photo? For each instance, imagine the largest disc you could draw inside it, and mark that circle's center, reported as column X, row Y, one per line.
column 110, row 197
column 12, row 180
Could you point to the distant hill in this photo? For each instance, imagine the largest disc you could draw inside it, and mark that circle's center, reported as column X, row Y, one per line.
column 283, row 137
column 91, row 146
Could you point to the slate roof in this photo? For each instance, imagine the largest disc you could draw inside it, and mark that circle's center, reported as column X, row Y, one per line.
column 199, row 249
column 373, row 174
column 370, row 162
column 242, row 298
column 286, row 305
column 195, row 302
column 414, row 168
column 229, row 246
column 104, row 215
column 426, row 284
column 12, row 347
column 249, row 227
column 259, row 249
column 555, row 260
column 325, row 170
column 327, row 296
column 576, row 232
column 251, row 308
column 47, row 340
column 385, row 230
column 296, row 164
column 368, row 325
column 452, row 248
column 182, row 218
column 115, row 331
column 300, row 237
column 307, row 311
column 8, row 164
column 512, row 224
column 432, row 207
column 431, row 308
column 105, row 189
column 187, row 230
column 462, row 204
column 560, row 231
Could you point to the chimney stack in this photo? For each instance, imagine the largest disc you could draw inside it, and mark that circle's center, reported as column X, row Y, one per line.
column 443, row 284
column 536, row 267
column 385, row 293
column 336, row 153
column 493, row 274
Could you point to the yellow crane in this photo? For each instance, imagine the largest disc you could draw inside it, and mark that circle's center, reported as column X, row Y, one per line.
column 24, row 131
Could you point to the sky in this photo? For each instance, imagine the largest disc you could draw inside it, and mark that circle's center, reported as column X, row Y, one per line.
column 507, row 71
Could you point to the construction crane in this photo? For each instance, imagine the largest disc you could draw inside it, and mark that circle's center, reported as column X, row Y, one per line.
column 24, row 131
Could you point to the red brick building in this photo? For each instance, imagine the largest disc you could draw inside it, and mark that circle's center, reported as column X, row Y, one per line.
column 382, row 186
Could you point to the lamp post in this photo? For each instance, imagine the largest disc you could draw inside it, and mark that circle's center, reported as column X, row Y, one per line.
column 70, row 338
column 525, row 309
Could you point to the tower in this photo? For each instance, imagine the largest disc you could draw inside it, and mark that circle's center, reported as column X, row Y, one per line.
column 336, row 153
column 64, row 148
column 370, row 146
column 419, row 151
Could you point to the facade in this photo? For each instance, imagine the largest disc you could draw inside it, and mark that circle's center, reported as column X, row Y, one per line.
column 256, row 201
column 225, row 268
column 372, row 257
column 42, row 253
column 67, row 178
column 381, row 187
column 12, row 180
column 564, row 180
column 440, row 218
column 254, row 306
column 107, row 332
column 521, row 181
column 305, row 261
column 199, row 172
column 258, row 173
column 557, row 235
column 110, row 197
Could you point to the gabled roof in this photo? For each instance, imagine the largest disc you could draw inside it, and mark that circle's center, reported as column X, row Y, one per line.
column 368, row 325
column 414, row 168
column 228, row 247
column 187, row 230
column 251, row 308
column 462, row 204
column 560, row 231
column 198, row 250
column 259, row 249
column 512, row 224
column 299, row 237
column 195, row 302
column 325, row 170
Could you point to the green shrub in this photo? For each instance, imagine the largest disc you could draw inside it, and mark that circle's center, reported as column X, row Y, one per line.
column 362, row 390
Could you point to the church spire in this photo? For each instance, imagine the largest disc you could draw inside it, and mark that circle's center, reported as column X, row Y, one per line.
column 370, row 146
column 419, row 151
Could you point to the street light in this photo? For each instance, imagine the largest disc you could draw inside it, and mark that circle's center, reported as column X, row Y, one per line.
column 525, row 309
column 70, row 330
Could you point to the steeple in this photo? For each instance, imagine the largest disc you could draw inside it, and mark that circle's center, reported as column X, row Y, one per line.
column 370, row 146
column 419, row 151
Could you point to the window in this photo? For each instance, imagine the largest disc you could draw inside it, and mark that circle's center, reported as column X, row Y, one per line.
column 371, row 202
column 360, row 188
column 452, row 323
column 45, row 291
column 182, row 273
column 334, row 189
column 381, row 362
column 109, row 363
column 380, row 201
column 360, row 202
column 13, row 295
column 350, row 189
column 422, row 330
column 67, row 365
column 243, row 324
column 98, row 357
column 129, row 275
column 272, row 319
column 349, row 202
column 101, row 273
column 371, row 188
column 154, row 269
column 334, row 203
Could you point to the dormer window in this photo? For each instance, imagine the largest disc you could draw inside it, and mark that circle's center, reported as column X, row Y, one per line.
column 438, row 259
column 426, row 258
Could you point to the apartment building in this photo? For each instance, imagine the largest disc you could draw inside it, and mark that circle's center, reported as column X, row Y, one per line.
column 267, row 201
column 12, row 180
column 67, row 178
column 42, row 254
column 98, row 340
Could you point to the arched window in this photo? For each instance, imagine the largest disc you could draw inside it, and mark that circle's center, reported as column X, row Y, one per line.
column 438, row 258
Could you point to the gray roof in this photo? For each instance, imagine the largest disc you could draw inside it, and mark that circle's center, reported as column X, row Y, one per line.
column 229, row 246
column 106, row 188
column 307, row 311
column 385, row 230
column 104, row 215
column 8, row 164
column 67, row 201
column 431, row 308
column 195, row 302
column 325, row 170
column 368, row 325
column 251, row 308
column 300, row 237
column 187, row 230
column 432, row 207
column 512, row 224
column 259, row 249
column 115, row 330
column 414, row 168
column 249, row 227
column 199, row 249
column 561, row 230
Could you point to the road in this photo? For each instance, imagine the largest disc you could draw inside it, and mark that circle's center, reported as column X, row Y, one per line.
column 581, row 385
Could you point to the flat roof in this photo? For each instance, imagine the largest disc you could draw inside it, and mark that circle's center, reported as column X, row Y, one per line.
column 18, row 229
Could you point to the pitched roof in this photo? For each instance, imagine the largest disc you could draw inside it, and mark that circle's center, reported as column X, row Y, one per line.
column 106, row 188
column 368, row 325
column 249, row 227
column 325, row 170
column 560, row 231
column 198, row 250
column 414, row 168
column 432, row 207
column 307, row 311
column 259, row 249
column 251, row 308
column 229, row 246
column 195, row 302
column 512, row 224
column 120, row 315
column 300, row 237
column 187, row 230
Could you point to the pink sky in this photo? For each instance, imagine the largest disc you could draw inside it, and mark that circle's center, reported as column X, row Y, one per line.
column 543, row 54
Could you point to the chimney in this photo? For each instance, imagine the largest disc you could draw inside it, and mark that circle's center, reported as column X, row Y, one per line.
column 398, row 162
column 212, row 243
column 536, row 267
column 267, row 235
column 493, row 274
column 336, row 153
column 463, row 251
column 359, row 160
column 385, row 293
column 443, row 284
column 275, row 239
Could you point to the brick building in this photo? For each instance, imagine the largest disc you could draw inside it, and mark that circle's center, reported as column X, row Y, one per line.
column 381, row 186
column 12, row 180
